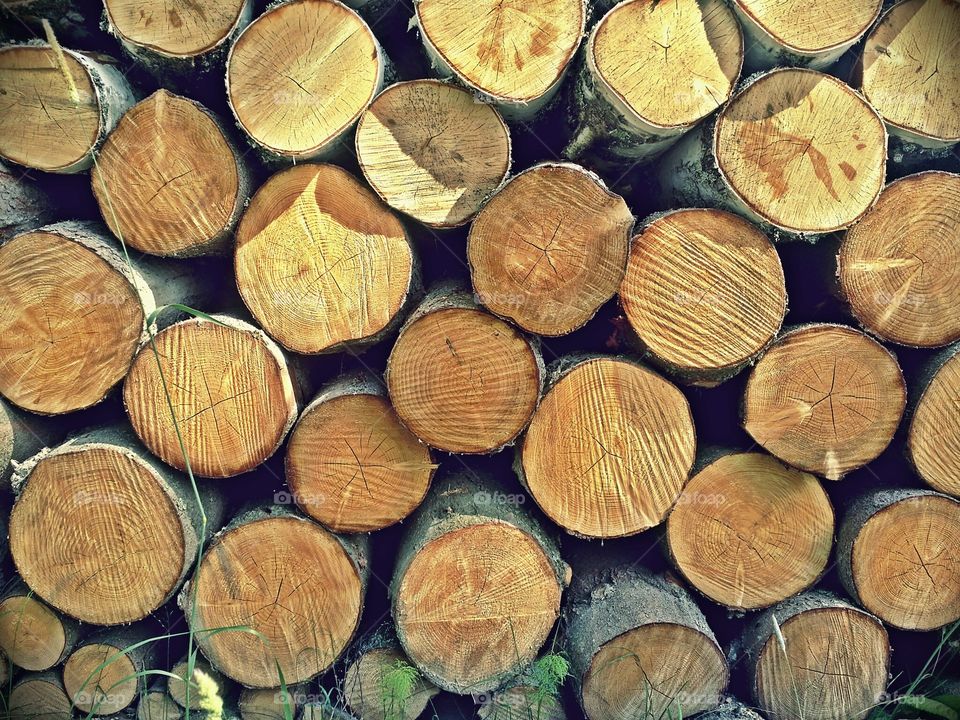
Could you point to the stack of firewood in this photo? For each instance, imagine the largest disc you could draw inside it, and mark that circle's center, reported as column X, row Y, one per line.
column 348, row 342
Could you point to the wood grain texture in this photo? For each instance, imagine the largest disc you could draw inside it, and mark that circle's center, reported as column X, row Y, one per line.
column 911, row 69
column 71, row 320
column 320, row 261
column 168, row 180
column 811, row 27
column 230, row 388
column 291, row 581
column 898, row 555
column 99, row 679
column 431, row 151
column 704, row 291
column 461, row 379
column 508, row 49
column 816, row 656
column 110, row 545
column 609, row 449
column 933, row 437
column 748, row 531
column 825, row 398
column 802, row 150
column 300, row 75
column 39, row 695
column 352, row 465
column 32, row 636
column 550, row 248
column 899, row 267
column 179, row 29
column 670, row 64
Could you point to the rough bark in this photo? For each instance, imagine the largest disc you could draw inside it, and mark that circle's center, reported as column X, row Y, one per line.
column 639, row 646
column 23, row 205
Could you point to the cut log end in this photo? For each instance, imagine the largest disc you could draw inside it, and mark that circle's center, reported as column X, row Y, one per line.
column 897, row 266
column 809, row 29
column 802, row 151
column 431, row 151
column 32, row 636
column 668, row 65
column 904, row 562
column 639, row 646
column 168, row 180
column 158, row 705
column 303, row 595
column 648, row 671
column 933, row 439
column 828, row 661
column 301, row 74
column 95, row 533
column 179, row 31
column 39, row 696
column 71, row 322
column 353, row 466
column 49, row 122
column 609, row 449
column 320, row 261
column 704, row 292
column 233, row 396
column 371, row 697
column 911, row 73
column 748, row 531
column 550, row 248
column 513, row 51
column 474, row 603
column 463, row 380
column 825, row 398
column 99, row 680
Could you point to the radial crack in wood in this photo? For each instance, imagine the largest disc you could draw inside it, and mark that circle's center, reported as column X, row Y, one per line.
column 321, row 262
column 825, row 398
